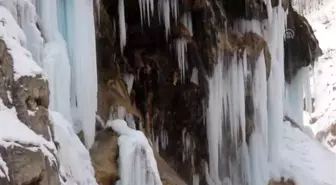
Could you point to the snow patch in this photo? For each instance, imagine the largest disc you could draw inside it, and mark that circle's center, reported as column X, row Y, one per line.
column 74, row 158
column 137, row 165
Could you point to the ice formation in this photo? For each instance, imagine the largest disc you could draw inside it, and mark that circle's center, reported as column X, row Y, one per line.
column 30, row 54
column 146, row 10
column 63, row 25
column 82, row 54
column 252, row 164
column 137, row 164
column 55, row 58
column 75, row 161
column 167, row 7
column 64, row 49
column 194, row 76
column 296, row 90
column 181, row 49
column 228, row 115
column 122, row 24
column 186, row 20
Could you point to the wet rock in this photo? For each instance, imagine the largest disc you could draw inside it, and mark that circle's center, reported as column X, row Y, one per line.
column 254, row 45
column 6, row 75
column 114, row 94
column 168, row 175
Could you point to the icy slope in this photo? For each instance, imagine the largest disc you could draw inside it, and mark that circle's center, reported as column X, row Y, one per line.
column 323, row 79
column 75, row 159
column 305, row 160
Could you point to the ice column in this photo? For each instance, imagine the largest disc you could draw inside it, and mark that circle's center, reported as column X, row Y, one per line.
column 80, row 33
column 55, row 61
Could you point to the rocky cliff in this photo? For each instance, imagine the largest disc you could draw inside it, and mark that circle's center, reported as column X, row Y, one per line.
column 158, row 80
column 167, row 100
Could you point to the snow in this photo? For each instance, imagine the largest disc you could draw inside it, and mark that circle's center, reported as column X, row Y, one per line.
column 305, row 160
column 15, row 133
column 137, row 165
column 323, row 80
column 74, row 158
column 15, row 39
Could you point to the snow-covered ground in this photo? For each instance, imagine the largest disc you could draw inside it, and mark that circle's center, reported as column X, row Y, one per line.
column 304, row 159
column 323, row 21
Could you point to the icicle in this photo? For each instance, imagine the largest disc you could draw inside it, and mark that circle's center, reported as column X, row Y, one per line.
column 97, row 2
column 187, row 22
column 181, row 49
column 307, row 91
column 269, row 9
column 275, row 84
column 194, row 76
column 129, row 79
column 146, row 10
column 174, row 7
column 226, row 86
column 122, row 25
column 164, row 139
column 187, row 145
column 165, row 9
column 196, row 179
column 259, row 138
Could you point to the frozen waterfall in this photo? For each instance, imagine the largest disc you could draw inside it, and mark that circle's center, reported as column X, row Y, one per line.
column 69, row 59
column 230, row 159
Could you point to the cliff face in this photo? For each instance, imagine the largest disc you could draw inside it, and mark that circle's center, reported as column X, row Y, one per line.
column 27, row 149
column 158, row 81
column 169, row 101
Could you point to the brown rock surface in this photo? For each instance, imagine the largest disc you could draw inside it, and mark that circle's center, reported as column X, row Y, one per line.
column 104, row 157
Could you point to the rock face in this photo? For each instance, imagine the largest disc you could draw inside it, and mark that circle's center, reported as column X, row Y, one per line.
column 282, row 182
column 169, row 107
column 28, row 167
column 27, row 164
column 104, row 157
column 301, row 46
